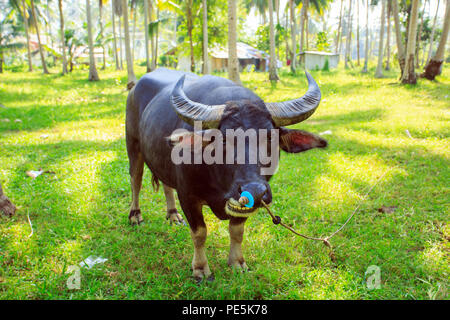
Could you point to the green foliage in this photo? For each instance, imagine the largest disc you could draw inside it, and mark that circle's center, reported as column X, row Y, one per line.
column 322, row 43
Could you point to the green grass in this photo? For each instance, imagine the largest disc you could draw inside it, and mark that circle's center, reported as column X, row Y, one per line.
column 82, row 209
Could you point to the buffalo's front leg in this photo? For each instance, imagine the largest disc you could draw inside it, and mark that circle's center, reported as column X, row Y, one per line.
column 236, row 229
column 193, row 211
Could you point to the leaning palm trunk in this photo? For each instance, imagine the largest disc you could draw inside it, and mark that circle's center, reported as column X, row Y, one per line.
column 147, row 54
column 409, row 74
column 433, row 30
column 233, row 63
column 348, row 53
column 63, row 45
column 273, row 60
column 25, row 20
column 379, row 71
column 205, row 38
column 398, row 36
column 366, row 49
column 116, row 55
column 93, row 75
column 130, row 70
column 6, row 206
column 433, row 67
column 41, row 52
column 294, row 42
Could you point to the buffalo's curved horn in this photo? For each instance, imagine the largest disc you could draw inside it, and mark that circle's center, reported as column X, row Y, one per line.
column 294, row 111
column 190, row 111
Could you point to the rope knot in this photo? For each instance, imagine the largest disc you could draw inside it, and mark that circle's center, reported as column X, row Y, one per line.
column 276, row 220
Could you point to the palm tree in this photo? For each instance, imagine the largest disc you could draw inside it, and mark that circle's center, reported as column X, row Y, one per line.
column 293, row 33
column 205, row 38
column 131, row 76
column 348, row 53
column 93, row 75
column 409, row 74
column 190, row 26
column 398, row 36
column 147, row 54
column 366, row 48
column 388, row 35
column 118, row 10
column 63, row 42
column 433, row 30
column 419, row 34
column 41, row 52
column 338, row 38
column 357, row 32
column 25, row 20
column 233, row 63
column 116, row 55
column 433, row 67
column 101, row 3
column 273, row 59
column 379, row 71
column 303, row 15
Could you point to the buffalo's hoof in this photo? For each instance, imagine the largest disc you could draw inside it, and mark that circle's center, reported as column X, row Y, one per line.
column 174, row 217
column 238, row 266
column 135, row 217
column 199, row 280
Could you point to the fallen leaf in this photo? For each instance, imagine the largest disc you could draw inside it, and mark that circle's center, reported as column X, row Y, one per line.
column 385, row 209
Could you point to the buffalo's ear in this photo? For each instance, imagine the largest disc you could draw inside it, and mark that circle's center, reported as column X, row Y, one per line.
column 294, row 141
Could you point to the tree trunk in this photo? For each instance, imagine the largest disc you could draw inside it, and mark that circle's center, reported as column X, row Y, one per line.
column 133, row 42
column 189, row 30
column 6, row 207
column 100, row 18
column 409, row 74
column 293, row 33
column 273, row 60
column 366, row 48
column 152, row 37
column 398, row 36
column 25, row 20
column 306, row 25
column 419, row 35
column 120, row 42
column 63, row 42
column 155, row 52
column 126, row 29
column 379, row 71
column 233, row 62
column 116, row 55
column 41, row 52
column 338, row 38
column 302, row 31
column 433, row 30
column 388, row 36
column 147, row 54
column 205, row 68
column 357, row 32
column 348, row 48
column 93, row 75
column 434, row 66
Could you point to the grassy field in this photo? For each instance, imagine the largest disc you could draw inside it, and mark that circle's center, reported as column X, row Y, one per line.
column 81, row 208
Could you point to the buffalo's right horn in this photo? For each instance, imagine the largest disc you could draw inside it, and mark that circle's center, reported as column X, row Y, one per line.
column 190, row 111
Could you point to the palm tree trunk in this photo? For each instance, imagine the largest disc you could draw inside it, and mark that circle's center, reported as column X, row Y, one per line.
column 348, row 48
column 130, row 70
column 205, row 38
column 233, row 62
column 419, row 35
column 306, row 25
column 433, row 30
column 63, row 43
column 433, row 67
column 133, row 42
column 116, row 55
column 100, row 14
column 120, row 42
column 357, row 32
column 388, row 35
column 189, row 30
column 366, row 49
column 147, row 54
column 293, row 34
column 398, row 36
column 338, row 38
column 302, row 33
column 409, row 74
column 273, row 60
column 379, row 71
column 41, row 52
column 93, row 75
column 25, row 20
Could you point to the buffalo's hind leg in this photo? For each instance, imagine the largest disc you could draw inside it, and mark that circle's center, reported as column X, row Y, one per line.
column 172, row 213
column 136, row 172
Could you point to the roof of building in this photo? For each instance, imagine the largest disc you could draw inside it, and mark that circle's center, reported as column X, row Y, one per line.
column 244, row 51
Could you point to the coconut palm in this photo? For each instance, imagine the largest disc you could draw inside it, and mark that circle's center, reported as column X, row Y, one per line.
column 379, row 70
column 409, row 74
column 116, row 55
column 36, row 25
column 61, row 31
column 131, row 76
column 25, row 20
column 205, row 69
column 233, row 63
column 93, row 74
column 101, row 4
column 293, row 33
column 388, row 34
column 348, row 41
column 273, row 60
column 433, row 30
column 433, row 67
column 357, row 32
column 147, row 54
column 366, row 48
column 118, row 10
column 338, row 37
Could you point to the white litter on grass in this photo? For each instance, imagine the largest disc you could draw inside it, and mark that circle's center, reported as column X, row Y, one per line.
column 326, row 133
column 44, row 136
column 34, row 174
column 5, row 120
column 17, row 120
column 91, row 261
column 408, row 134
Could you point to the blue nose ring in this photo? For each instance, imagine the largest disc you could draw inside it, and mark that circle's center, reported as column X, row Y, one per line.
column 249, row 196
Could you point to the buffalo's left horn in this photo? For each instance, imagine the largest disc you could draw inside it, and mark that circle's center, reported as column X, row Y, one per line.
column 190, row 111
column 297, row 110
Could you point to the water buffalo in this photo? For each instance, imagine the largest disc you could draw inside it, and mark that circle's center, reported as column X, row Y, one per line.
column 166, row 100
